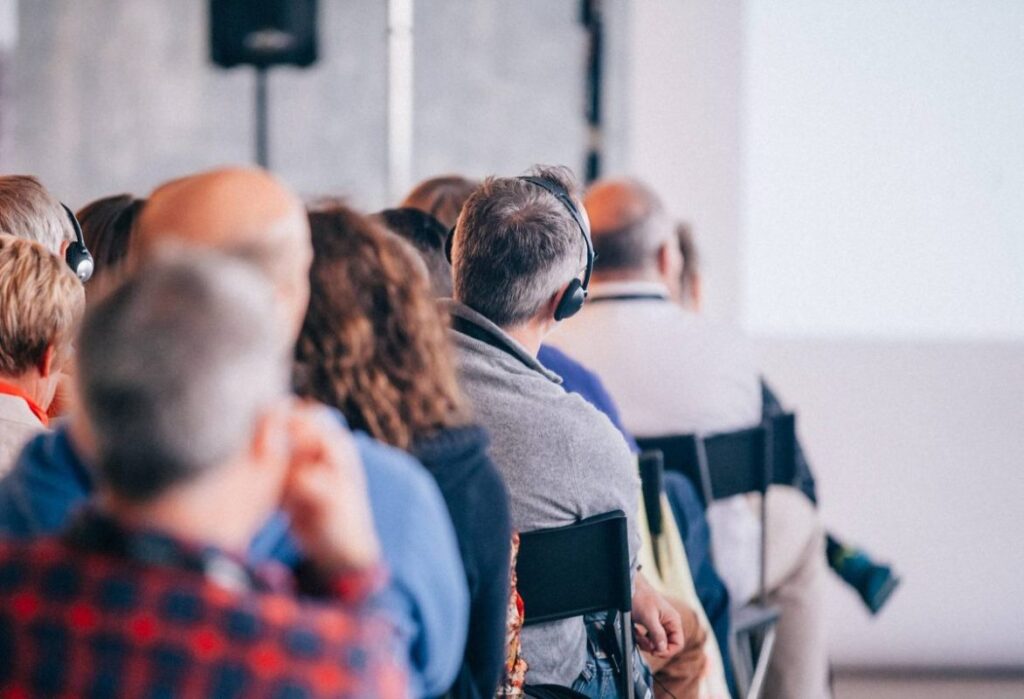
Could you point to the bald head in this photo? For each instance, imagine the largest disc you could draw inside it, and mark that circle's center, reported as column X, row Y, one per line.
column 243, row 211
column 629, row 226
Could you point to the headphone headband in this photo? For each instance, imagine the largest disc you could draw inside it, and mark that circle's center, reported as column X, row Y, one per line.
column 576, row 293
column 559, row 193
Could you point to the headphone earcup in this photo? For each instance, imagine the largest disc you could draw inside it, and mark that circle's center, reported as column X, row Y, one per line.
column 572, row 300
column 80, row 261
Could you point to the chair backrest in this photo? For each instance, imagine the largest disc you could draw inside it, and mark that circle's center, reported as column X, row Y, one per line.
column 575, row 570
column 732, row 463
column 652, row 481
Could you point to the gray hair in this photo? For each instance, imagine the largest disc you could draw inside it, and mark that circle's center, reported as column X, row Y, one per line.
column 175, row 367
column 28, row 210
column 632, row 244
column 514, row 246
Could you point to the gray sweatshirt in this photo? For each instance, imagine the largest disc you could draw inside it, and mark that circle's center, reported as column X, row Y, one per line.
column 562, row 460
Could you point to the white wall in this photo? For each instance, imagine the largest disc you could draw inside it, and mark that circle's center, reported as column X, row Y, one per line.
column 884, row 167
column 854, row 171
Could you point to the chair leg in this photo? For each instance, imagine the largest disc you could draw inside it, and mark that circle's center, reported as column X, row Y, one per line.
column 742, row 662
column 764, row 656
column 627, row 655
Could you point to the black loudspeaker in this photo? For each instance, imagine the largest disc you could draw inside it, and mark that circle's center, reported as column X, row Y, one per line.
column 263, row 33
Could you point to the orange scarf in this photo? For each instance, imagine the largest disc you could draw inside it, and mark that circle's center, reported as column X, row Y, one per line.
column 11, row 390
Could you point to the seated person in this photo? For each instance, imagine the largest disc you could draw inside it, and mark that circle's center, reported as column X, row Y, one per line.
column 373, row 345
column 429, row 238
column 42, row 301
column 874, row 582
column 249, row 213
column 145, row 593
column 426, row 234
column 442, row 197
column 517, row 253
column 673, row 373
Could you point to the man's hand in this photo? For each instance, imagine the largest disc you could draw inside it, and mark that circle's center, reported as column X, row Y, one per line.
column 325, row 494
column 659, row 628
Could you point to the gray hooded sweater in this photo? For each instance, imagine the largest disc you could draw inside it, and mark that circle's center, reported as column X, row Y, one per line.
column 562, row 461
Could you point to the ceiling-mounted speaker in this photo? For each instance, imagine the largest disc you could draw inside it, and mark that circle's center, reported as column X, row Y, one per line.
column 263, row 33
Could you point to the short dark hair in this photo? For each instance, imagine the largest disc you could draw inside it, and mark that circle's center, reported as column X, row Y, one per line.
column 108, row 225
column 515, row 245
column 427, row 235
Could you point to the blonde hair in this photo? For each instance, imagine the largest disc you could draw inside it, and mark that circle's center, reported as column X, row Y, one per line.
column 28, row 210
column 41, row 302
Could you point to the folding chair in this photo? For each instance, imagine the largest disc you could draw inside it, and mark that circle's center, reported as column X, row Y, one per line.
column 722, row 466
column 580, row 569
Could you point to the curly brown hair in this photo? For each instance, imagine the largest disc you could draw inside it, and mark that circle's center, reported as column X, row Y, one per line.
column 374, row 342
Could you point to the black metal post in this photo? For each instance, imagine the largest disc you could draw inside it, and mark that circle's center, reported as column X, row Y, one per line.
column 592, row 20
column 262, row 143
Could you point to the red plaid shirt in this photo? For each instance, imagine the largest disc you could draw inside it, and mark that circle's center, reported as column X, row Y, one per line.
column 103, row 611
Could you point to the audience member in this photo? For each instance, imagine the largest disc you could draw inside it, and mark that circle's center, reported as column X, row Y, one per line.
column 144, row 594
column 28, row 210
column 107, row 228
column 517, row 252
column 428, row 236
column 41, row 301
column 249, row 213
column 673, row 373
column 874, row 582
column 373, row 345
column 442, row 197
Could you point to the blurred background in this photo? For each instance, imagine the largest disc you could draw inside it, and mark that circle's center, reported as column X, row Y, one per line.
column 853, row 173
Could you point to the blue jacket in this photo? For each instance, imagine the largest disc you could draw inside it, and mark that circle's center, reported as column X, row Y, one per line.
column 427, row 596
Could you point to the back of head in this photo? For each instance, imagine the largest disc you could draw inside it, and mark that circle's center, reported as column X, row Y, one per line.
column 441, row 197
column 175, row 367
column 515, row 246
column 628, row 224
column 108, row 225
column 243, row 211
column 374, row 342
column 41, row 301
column 28, row 210
column 427, row 235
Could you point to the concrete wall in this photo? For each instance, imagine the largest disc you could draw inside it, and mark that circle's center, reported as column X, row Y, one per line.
column 118, row 95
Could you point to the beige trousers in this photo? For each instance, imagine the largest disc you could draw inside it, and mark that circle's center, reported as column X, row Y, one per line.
column 796, row 578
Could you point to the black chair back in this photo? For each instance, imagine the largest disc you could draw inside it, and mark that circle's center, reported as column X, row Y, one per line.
column 652, row 480
column 580, row 569
column 575, row 570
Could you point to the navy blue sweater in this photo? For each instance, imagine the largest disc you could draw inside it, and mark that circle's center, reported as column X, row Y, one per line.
column 478, row 503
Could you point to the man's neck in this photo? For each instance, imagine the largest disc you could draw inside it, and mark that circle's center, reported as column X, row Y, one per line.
column 193, row 513
column 530, row 335
column 632, row 275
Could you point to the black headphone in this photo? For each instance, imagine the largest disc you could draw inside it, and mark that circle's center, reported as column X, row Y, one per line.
column 576, row 294
column 77, row 255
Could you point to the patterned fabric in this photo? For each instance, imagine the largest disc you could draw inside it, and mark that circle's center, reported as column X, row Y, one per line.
column 515, row 664
column 105, row 611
